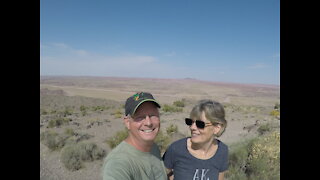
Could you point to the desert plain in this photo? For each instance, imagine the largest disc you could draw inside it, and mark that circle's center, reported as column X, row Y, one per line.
column 247, row 107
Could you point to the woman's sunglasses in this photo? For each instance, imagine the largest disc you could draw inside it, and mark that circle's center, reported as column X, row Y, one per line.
column 200, row 124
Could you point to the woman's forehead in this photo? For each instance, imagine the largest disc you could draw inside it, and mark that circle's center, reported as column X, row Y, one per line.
column 200, row 116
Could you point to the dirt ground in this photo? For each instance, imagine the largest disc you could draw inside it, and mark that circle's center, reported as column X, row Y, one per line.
column 247, row 106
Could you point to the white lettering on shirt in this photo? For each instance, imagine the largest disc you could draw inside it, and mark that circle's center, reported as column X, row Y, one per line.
column 197, row 175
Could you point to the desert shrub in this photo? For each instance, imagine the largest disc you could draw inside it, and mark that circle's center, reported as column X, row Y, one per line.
column 235, row 173
column 172, row 129
column 277, row 106
column 71, row 137
column 264, row 129
column 53, row 140
column 71, row 158
column 162, row 141
column 83, row 110
column 43, row 112
column 99, row 108
column 117, row 138
column 275, row 113
column 90, row 152
column 83, row 136
column 84, row 113
column 253, row 109
column 95, row 108
column 255, row 159
column 58, row 122
column 67, row 111
column 264, row 157
column 179, row 103
column 117, row 113
column 53, row 111
column 237, row 161
column 61, row 141
column 48, row 139
column 70, row 141
column 69, row 131
column 168, row 108
column 242, row 108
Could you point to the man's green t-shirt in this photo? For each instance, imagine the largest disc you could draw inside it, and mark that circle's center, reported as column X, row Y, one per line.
column 125, row 162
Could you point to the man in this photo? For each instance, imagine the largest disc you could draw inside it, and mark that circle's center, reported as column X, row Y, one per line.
column 137, row 157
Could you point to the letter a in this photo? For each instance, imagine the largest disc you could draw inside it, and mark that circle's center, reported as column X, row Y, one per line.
column 196, row 175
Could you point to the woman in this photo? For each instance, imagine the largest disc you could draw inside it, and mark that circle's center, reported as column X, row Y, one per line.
column 200, row 156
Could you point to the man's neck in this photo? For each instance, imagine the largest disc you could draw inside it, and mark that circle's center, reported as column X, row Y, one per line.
column 141, row 146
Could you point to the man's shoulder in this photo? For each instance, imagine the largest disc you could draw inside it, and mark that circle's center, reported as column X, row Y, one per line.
column 118, row 157
column 120, row 151
column 117, row 166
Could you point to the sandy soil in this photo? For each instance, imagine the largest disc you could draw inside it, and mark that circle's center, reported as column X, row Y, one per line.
column 247, row 107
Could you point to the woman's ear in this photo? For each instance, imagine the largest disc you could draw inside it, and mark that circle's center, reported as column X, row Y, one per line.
column 217, row 128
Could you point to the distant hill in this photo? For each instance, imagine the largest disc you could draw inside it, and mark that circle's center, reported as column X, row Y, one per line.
column 167, row 90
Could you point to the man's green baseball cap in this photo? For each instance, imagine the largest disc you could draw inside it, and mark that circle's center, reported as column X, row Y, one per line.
column 134, row 101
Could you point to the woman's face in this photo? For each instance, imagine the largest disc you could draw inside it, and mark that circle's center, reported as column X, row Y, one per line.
column 200, row 136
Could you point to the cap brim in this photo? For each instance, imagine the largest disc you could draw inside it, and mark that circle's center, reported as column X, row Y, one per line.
column 145, row 100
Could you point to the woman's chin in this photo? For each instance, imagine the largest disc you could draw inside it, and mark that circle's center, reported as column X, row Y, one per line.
column 195, row 139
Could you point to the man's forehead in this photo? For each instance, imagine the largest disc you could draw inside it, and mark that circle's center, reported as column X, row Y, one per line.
column 146, row 106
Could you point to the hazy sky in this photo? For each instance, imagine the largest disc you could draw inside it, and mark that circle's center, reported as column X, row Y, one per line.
column 215, row 40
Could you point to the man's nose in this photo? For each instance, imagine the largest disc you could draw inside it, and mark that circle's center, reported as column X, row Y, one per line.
column 147, row 120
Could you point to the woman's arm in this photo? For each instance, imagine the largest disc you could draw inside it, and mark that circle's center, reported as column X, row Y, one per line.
column 169, row 174
column 221, row 175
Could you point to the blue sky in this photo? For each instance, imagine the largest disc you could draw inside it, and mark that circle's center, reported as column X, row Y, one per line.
column 214, row 40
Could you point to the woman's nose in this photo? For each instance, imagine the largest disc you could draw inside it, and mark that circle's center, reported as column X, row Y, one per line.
column 193, row 126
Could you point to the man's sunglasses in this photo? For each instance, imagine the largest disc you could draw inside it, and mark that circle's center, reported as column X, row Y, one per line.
column 200, row 124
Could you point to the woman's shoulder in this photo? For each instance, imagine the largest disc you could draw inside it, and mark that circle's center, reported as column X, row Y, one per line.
column 180, row 141
column 177, row 146
column 222, row 145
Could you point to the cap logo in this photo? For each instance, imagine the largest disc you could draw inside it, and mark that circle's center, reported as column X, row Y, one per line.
column 137, row 96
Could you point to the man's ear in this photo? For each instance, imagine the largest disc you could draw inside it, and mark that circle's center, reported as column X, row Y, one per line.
column 126, row 121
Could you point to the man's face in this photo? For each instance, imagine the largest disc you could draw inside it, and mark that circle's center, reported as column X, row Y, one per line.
column 145, row 123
